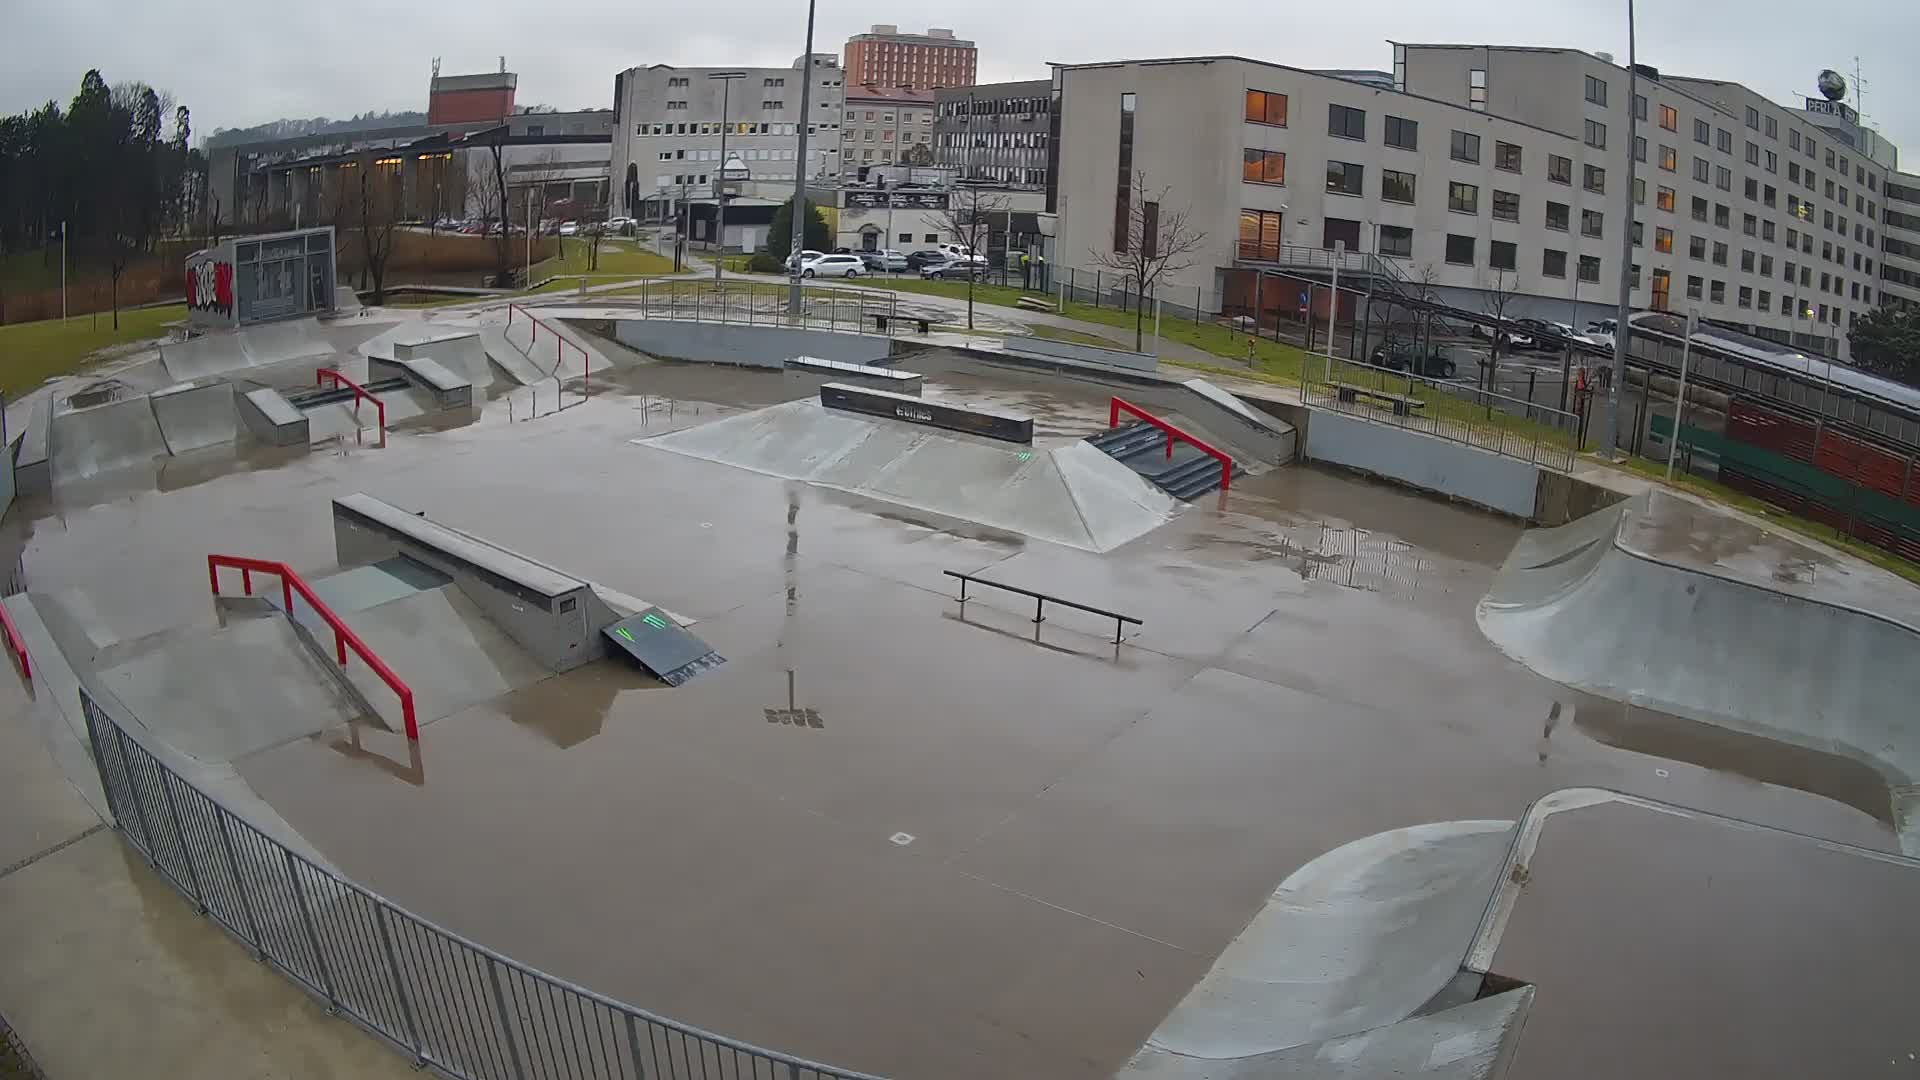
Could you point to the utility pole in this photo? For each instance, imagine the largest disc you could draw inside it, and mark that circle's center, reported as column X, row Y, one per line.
column 726, row 80
column 800, row 173
column 63, row 270
column 1621, row 329
column 1680, row 401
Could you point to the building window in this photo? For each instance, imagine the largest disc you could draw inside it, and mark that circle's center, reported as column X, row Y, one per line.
column 1662, row 283
column 1793, row 138
column 1669, row 119
column 1594, row 179
column 1459, row 249
column 1266, row 108
column 1769, row 196
column 1717, row 293
column 1596, row 90
column 1396, row 240
column 1264, row 167
column 1786, row 305
column 1559, row 169
column 1477, row 91
column 1343, row 178
column 1639, row 234
column 1403, row 133
column 1719, row 253
column 1753, row 153
column 1260, row 235
column 1753, row 118
column 1765, row 300
column 1400, row 68
column 1396, row 186
column 1639, row 106
column 1702, row 132
column 1345, row 123
column 1123, row 189
column 1702, row 170
column 1506, row 206
column 1463, row 198
column 1749, row 225
column 1596, row 134
column 1553, row 263
column 1663, row 241
column 1669, row 159
column 1663, row 199
column 1723, row 178
column 1639, row 148
column 1591, row 222
column 1773, row 128
column 1501, row 255
column 1697, row 248
column 1557, row 214
column 1722, row 216
column 1766, row 266
column 1590, row 268
column 1752, row 191
column 1723, row 140
column 1466, row 147
column 1506, row 156
column 1699, row 209
column 1696, row 287
column 1639, row 191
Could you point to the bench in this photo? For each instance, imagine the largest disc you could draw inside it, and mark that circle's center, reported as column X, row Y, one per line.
column 880, row 318
column 1035, row 303
column 1402, row 404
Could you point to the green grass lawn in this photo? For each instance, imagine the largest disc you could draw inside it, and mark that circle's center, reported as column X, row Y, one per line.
column 31, row 353
column 1717, row 492
column 618, row 258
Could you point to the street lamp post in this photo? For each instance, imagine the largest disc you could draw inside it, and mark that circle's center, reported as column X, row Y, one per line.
column 800, row 173
column 726, row 80
column 1620, row 327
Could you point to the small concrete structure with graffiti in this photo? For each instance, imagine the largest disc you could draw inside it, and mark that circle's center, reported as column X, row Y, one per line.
column 249, row 279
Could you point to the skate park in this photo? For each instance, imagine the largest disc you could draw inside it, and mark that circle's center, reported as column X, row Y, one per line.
column 1321, row 806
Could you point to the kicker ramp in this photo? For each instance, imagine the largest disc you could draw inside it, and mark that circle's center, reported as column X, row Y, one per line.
column 194, row 416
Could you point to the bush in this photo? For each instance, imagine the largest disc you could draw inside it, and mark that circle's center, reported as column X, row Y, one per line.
column 780, row 233
column 764, row 263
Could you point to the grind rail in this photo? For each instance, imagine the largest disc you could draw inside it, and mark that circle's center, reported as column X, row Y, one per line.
column 1041, row 600
column 325, row 376
column 343, row 637
column 1118, row 406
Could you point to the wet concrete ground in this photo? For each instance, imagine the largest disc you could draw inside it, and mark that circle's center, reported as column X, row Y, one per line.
column 1002, row 851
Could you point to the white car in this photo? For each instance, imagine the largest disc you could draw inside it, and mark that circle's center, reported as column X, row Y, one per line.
column 807, row 255
column 848, row 266
column 962, row 253
column 569, row 228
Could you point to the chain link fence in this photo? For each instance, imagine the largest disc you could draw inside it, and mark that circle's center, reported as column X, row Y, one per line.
column 452, row 1004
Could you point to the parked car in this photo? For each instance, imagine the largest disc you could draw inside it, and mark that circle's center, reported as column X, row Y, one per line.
column 569, row 228
column 953, row 269
column 624, row 226
column 1510, row 334
column 962, row 253
column 1601, row 333
column 919, row 259
column 888, row 261
column 847, row 266
column 1405, row 355
column 795, row 262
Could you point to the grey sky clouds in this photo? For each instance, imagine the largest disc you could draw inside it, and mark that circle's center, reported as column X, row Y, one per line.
column 236, row 65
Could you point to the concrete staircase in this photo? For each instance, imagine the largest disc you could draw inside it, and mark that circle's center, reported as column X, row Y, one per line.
column 1187, row 474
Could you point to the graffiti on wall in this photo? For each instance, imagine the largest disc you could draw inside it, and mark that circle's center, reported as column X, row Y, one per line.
column 210, row 286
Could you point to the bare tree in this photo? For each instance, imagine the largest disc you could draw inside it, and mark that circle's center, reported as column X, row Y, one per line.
column 1158, row 240
column 487, row 187
column 969, row 215
column 378, row 217
column 1499, row 292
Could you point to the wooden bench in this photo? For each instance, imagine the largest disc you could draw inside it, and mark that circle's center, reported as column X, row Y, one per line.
column 1035, row 303
column 880, row 321
column 1402, row 404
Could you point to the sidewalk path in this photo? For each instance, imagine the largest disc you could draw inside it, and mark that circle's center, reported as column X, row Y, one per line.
column 106, row 971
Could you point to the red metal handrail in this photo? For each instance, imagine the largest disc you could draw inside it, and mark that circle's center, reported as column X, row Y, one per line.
column 1117, row 406
column 324, row 375
column 16, row 644
column 586, row 364
column 343, row 636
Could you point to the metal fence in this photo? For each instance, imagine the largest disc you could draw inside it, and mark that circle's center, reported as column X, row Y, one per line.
column 1511, row 427
column 458, row 1007
column 755, row 303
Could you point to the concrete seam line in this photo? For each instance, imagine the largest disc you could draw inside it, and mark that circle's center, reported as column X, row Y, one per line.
column 62, row 845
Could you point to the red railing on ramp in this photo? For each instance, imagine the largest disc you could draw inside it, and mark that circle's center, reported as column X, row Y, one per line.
column 343, row 637
column 1117, row 406
column 326, row 375
column 16, row 644
column 586, row 365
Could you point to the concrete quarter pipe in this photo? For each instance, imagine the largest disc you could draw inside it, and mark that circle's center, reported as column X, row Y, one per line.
column 1664, row 603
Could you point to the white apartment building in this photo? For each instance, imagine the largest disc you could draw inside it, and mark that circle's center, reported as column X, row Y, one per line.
column 1489, row 168
column 1900, row 239
column 668, row 124
column 881, row 126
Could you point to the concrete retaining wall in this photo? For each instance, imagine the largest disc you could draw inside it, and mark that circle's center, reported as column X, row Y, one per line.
column 750, row 346
column 1092, row 354
column 1423, row 461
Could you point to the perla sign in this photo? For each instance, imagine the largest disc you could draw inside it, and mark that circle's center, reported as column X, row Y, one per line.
column 1833, row 108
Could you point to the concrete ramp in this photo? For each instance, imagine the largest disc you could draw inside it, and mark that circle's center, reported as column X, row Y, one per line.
column 1359, row 938
column 507, row 357
column 1071, row 494
column 103, row 438
column 218, row 695
column 1667, row 604
column 223, row 352
column 193, row 416
column 444, row 648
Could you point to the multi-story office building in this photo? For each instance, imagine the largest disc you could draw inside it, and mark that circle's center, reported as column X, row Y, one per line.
column 668, row 121
column 995, row 131
column 885, row 126
column 1900, row 239
column 1489, row 170
column 884, row 56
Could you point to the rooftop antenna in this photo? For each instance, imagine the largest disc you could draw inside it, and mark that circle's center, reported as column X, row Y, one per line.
column 436, row 67
column 1859, row 93
column 503, row 65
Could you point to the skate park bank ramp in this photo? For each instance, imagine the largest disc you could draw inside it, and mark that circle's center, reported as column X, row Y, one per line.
column 1072, row 494
column 229, row 352
column 1665, row 603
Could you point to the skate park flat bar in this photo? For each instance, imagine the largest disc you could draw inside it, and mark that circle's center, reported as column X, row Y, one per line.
column 1040, row 600
column 343, row 637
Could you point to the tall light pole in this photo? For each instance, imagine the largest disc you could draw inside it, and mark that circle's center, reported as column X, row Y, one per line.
column 800, row 173
column 725, row 79
column 1620, row 328
column 898, row 159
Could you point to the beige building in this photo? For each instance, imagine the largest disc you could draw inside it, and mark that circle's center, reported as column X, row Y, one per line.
column 883, row 126
column 1485, row 170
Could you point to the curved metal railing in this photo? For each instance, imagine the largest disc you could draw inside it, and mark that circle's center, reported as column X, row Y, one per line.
column 461, row 1008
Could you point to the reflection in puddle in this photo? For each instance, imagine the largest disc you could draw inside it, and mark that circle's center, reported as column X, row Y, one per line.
column 1768, row 761
column 569, row 709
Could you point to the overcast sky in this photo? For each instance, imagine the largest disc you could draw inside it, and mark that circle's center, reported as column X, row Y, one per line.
column 235, row 65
